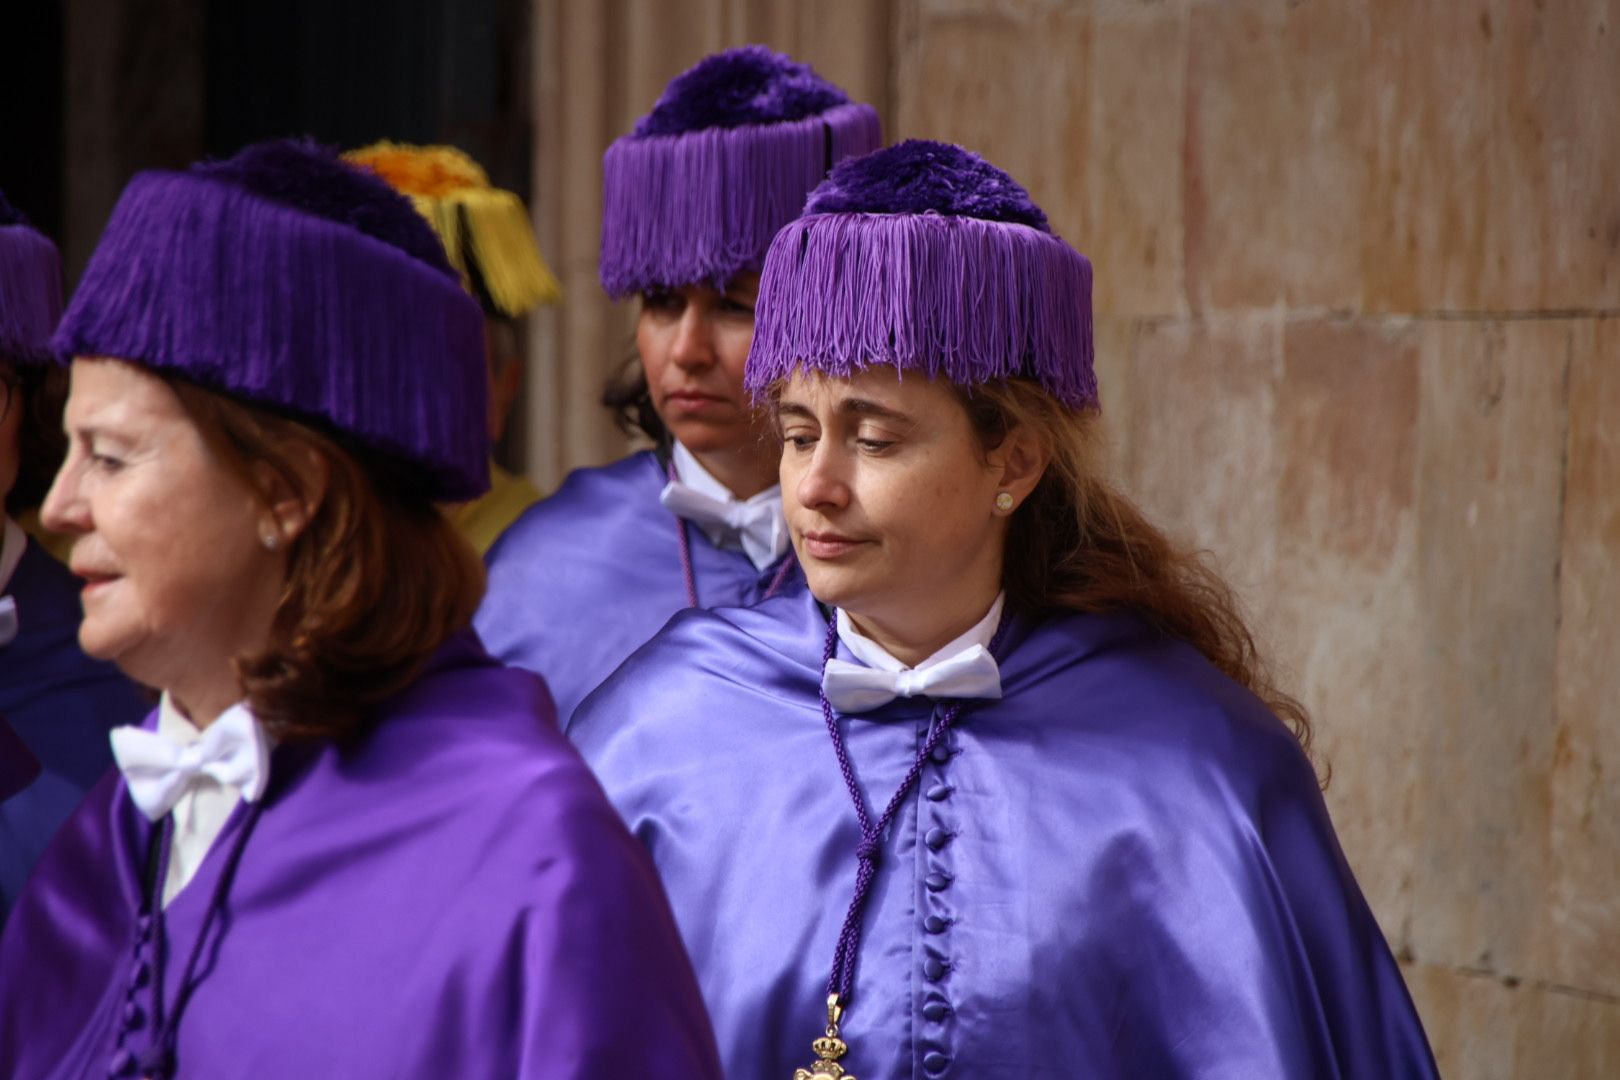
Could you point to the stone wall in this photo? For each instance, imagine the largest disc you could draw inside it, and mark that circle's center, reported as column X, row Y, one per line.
column 1358, row 287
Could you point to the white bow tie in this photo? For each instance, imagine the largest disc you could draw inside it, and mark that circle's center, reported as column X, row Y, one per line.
column 8, row 620
column 158, row 770
column 855, row 688
column 758, row 525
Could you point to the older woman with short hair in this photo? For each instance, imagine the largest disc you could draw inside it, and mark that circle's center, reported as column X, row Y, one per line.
column 1008, row 792
column 347, row 843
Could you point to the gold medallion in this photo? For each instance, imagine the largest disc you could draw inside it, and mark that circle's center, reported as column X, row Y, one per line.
column 829, row 1048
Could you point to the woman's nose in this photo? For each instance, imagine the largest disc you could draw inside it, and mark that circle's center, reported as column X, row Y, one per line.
column 822, row 484
column 694, row 339
column 63, row 510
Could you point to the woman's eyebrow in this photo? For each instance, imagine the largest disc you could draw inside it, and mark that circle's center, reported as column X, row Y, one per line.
column 865, row 407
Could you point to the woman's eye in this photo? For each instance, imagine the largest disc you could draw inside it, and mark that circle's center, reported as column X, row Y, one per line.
column 799, row 440
column 737, row 307
column 106, row 462
column 660, row 301
column 874, row 446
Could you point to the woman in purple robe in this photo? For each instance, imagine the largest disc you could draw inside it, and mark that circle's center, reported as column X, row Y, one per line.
column 60, row 703
column 347, row 842
column 1007, row 792
column 692, row 198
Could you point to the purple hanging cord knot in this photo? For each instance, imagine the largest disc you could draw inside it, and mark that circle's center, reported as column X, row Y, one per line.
column 841, row 982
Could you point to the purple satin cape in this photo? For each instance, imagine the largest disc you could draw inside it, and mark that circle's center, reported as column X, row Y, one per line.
column 1124, row 868
column 587, row 575
column 62, row 704
column 452, row 896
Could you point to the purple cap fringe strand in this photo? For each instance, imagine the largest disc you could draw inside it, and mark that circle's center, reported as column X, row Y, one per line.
column 30, row 294
column 968, row 300
column 701, row 207
column 254, row 298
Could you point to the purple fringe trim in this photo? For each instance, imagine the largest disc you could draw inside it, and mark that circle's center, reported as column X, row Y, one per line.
column 973, row 301
column 703, row 206
column 30, row 294
column 257, row 300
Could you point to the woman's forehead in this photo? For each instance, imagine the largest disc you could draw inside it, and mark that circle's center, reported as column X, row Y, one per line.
column 104, row 390
column 881, row 384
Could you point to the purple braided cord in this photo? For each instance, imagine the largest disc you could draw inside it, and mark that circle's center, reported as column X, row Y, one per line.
column 158, row 1060
column 842, row 980
column 685, row 544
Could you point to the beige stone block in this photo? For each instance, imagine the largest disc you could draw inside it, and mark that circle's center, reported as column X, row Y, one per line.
column 1134, row 230
column 659, row 40
column 1582, row 943
column 1490, row 458
column 1493, row 162
column 1338, row 613
column 1274, row 180
column 1014, row 89
column 1484, row 1028
column 850, row 42
column 1193, row 413
column 1350, row 427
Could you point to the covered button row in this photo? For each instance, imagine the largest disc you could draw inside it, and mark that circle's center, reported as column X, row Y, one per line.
column 935, row 966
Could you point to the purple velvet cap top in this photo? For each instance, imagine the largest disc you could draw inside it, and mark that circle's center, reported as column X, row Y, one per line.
column 290, row 279
column 925, row 257
column 694, row 194
column 30, row 289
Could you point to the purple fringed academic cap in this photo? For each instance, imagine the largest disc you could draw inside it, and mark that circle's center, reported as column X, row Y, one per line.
column 290, row 279
column 728, row 154
column 926, row 257
column 30, row 289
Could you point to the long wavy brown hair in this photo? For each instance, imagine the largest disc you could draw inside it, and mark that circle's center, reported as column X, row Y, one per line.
column 376, row 580
column 1077, row 544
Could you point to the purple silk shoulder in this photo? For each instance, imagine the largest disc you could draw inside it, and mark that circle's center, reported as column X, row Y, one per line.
column 450, row 897
column 1122, row 868
column 61, row 704
column 591, row 572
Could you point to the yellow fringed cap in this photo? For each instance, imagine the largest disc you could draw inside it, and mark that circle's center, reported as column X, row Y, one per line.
column 485, row 231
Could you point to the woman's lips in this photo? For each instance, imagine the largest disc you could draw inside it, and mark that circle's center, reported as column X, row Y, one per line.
column 829, row 545
column 694, row 401
column 93, row 580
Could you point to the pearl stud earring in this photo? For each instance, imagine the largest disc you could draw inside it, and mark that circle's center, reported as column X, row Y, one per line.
column 1004, row 501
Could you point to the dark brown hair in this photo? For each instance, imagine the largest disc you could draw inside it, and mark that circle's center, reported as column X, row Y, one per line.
column 39, row 394
column 628, row 397
column 1077, row 544
column 376, row 580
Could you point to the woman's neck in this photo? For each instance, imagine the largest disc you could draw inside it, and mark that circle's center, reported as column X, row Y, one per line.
column 745, row 471
column 918, row 635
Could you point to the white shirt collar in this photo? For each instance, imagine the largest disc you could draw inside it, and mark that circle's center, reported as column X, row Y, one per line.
column 201, row 813
column 690, row 472
column 874, row 655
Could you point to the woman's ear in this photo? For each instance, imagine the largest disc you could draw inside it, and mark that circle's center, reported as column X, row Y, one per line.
column 294, row 499
column 1019, row 463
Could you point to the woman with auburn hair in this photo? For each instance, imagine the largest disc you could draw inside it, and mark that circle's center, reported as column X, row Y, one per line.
column 1007, row 792
column 691, row 200
column 347, row 843
column 60, row 703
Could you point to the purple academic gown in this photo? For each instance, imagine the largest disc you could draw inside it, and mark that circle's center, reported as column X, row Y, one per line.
column 451, row 897
column 585, row 576
column 61, row 703
column 1123, row 868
